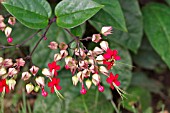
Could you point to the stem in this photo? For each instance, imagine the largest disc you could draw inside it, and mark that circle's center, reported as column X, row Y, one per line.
column 44, row 34
column 97, row 96
column 29, row 38
column 113, row 104
column 85, row 106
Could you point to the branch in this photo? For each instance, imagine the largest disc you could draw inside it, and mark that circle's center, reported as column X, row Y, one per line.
column 44, row 34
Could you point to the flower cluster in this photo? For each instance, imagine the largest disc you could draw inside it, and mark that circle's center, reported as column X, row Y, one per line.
column 86, row 66
column 7, row 29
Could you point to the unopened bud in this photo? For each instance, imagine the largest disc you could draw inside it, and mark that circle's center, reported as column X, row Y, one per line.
column 40, row 81
column 57, row 57
column 63, row 53
column 8, row 31
column 20, row 62
column 7, row 63
column 53, row 45
column 46, row 72
column 1, row 18
column 2, row 26
column 26, row 75
column 96, row 38
column 9, row 39
column 12, row 20
column 97, row 51
column 11, row 84
column 29, row 88
column 63, row 46
column 34, row 70
column 103, row 70
column 75, row 80
column 100, row 59
column 88, row 83
column 95, row 79
column 36, row 88
column 12, row 72
column 106, row 30
column 2, row 71
column 104, row 45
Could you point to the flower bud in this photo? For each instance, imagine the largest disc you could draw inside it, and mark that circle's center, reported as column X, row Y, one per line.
column 1, row 61
column 53, row 45
column 104, row 45
column 11, row 84
column 40, row 81
column 96, row 38
column 103, row 70
column 34, row 70
column 63, row 53
column 29, row 88
column 106, row 30
column 36, row 88
column 9, row 39
column 100, row 59
column 80, row 76
column 2, row 71
column 97, row 51
column 26, row 75
column 20, row 62
column 57, row 57
column 1, row 18
column 7, row 63
column 75, row 80
column 63, row 46
column 12, row 20
column 12, row 72
column 88, row 83
column 46, row 72
column 2, row 26
column 95, row 79
column 8, row 31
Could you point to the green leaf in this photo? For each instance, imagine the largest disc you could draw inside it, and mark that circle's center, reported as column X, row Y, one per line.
column 152, row 62
column 94, row 101
column 31, row 13
column 168, row 2
column 133, row 18
column 149, row 84
column 122, row 67
column 137, row 96
column 79, row 30
column 71, row 14
column 110, row 15
column 156, row 27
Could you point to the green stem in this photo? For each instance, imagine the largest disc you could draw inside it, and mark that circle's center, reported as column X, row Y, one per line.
column 113, row 104
column 97, row 96
column 2, row 102
column 85, row 106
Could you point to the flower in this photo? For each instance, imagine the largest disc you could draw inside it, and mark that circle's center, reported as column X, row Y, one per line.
column 34, row 70
column 106, row 30
column 96, row 38
column 29, row 88
column 54, row 84
column 4, row 86
column 20, row 62
column 53, row 67
column 110, row 57
column 113, row 79
column 53, row 45
column 8, row 31
column 11, row 20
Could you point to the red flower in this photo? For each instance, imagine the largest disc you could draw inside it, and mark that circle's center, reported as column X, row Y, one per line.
column 53, row 67
column 4, row 85
column 54, row 83
column 110, row 57
column 112, row 79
